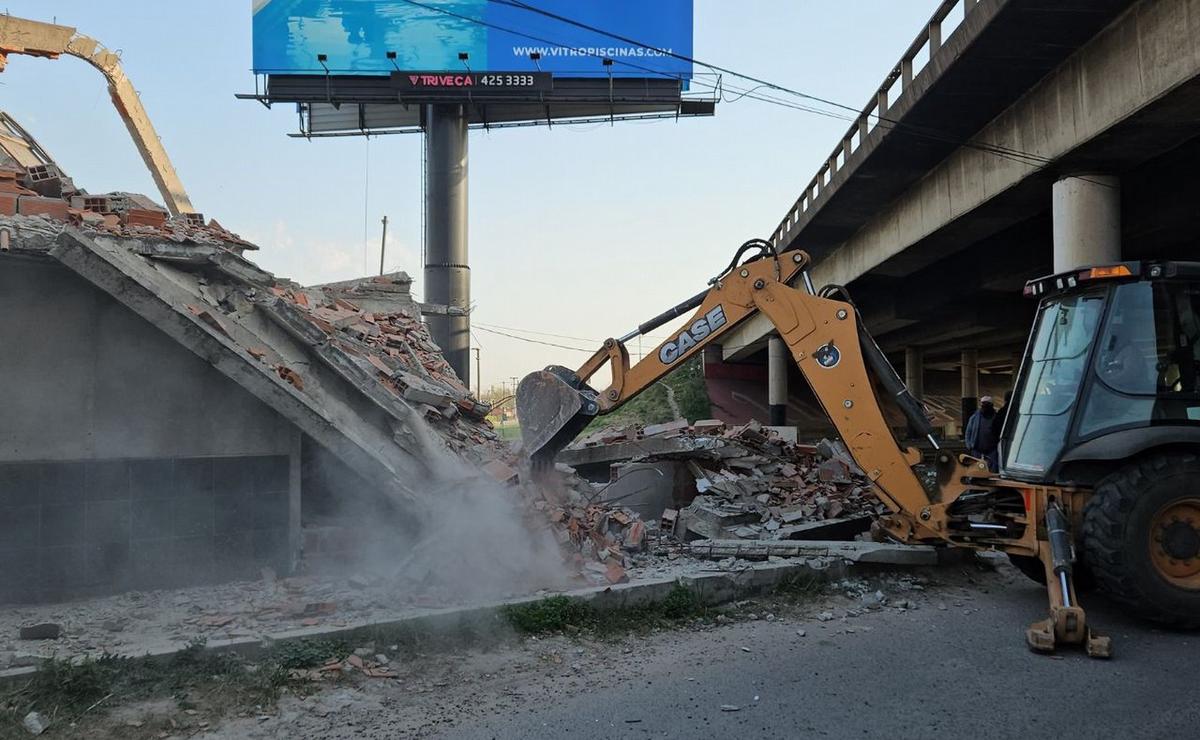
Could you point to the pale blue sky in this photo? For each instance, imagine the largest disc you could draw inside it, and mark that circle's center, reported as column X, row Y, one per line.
column 582, row 231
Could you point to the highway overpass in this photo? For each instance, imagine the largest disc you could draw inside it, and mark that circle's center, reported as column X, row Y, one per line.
column 1013, row 138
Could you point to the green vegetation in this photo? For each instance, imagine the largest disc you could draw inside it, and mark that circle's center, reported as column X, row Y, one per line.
column 654, row 407
column 562, row 614
column 65, row 691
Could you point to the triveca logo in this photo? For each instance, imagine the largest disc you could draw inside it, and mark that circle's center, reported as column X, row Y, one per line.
column 689, row 337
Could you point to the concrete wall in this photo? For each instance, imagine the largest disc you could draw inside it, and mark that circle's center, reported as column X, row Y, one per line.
column 125, row 460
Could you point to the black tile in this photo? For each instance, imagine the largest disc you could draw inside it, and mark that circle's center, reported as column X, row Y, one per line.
column 109, row 566
column 195, row 560
column 271, row 548
column 235, row 556
column 151, row 478
column 153, row 564
column 62, row 483
column 19, row 527
column 107, row 521
column 233, row 475
column 19, row 484
column 152, row 518
column 192, row 516
column 107, row 480
column 194, row 476
column 270, row 474
column 271, row 510
column 62, row 525
column 15, row 596
column 20, row 568
column 233, row 513
column 62, row 567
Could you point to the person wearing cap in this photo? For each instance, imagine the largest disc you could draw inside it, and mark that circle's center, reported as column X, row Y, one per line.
column 981, row 438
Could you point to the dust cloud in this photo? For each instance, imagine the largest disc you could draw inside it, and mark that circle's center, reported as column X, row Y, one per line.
column 467, row 538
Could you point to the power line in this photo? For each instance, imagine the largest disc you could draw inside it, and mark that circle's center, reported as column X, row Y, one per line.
column 591, row 350
column 550, row 334
column 998, row 150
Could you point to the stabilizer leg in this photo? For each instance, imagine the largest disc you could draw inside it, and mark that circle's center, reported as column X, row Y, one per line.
column 1067, row 623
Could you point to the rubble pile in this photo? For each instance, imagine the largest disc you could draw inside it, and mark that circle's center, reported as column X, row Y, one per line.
column 391, row 350
column 44, row 190
column 396, row 349
column 596, row 539
column 754, row 485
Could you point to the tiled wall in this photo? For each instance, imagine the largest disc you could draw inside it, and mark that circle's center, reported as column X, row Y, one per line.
column 79, row 529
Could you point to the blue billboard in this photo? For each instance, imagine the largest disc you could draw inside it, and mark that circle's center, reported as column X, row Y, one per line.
column 356, row 36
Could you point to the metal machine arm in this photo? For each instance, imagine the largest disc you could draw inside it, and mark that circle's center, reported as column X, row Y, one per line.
column 970, row 506
column 21, row 36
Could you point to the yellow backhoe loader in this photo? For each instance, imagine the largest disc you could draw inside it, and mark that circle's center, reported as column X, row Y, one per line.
column 1098, row 452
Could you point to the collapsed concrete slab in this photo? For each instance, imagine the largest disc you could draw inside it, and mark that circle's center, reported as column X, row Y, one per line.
column 269, row 370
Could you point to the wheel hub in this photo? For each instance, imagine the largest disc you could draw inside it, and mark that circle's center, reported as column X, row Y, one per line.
column 1181, row 541
column 1175, row 543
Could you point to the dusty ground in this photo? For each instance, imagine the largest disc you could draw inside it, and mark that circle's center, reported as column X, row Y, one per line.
column 437, row 693
column 138, row 622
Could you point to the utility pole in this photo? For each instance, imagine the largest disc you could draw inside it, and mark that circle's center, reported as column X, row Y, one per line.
column 478, row 374
column 382, row 245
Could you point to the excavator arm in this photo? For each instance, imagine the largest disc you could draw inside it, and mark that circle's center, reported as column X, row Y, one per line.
column 969, row 506
column 823, row 336
column 33, row 38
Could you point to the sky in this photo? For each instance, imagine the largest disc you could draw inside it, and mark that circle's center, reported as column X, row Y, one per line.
column 577, row 233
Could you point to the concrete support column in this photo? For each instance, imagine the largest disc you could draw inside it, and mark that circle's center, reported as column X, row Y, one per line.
column 447, row 275
column 1087, row 221
column 970, row 384
column 914, row 371
column 777, row 380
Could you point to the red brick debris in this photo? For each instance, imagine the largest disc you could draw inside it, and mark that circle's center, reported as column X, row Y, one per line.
column 43, row 190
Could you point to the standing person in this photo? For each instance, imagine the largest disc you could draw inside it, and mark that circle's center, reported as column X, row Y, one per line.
column 981, row 439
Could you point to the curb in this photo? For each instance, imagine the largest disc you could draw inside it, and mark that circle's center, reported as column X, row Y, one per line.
column 711, row 588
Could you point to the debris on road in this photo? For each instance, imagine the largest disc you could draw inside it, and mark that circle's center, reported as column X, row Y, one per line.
column 43, row 631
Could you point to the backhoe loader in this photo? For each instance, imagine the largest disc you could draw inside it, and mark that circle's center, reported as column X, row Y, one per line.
column 1099, row 447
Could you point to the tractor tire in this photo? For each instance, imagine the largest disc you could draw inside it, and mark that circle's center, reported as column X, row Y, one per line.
column 1141, row 537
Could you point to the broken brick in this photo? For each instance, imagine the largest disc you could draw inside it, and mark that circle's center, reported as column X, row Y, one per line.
column 36, row 205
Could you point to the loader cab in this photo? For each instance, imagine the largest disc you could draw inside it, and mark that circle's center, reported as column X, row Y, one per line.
column 1111, row 370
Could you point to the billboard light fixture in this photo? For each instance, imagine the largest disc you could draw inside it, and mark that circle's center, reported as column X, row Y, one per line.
column 391, row 56
column 606, row 62
column 463, row 57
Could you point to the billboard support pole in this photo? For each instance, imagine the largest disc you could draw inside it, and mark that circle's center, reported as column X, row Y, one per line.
column 447, row 274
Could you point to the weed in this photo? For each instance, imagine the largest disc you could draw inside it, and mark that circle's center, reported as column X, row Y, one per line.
column 559, row 613
column 308, row 653
column 194, row 676
column 552, row 614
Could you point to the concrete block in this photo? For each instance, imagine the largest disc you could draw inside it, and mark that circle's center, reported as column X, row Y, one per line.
column 655, row 430
column 647, row 488
column 855, row 552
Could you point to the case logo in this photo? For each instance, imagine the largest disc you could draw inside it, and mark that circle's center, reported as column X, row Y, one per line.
column 691, row 335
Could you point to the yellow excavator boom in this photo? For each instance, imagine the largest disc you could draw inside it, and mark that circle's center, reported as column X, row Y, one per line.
column 33, row 38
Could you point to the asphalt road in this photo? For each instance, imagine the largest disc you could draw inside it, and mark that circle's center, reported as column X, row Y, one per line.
column 939, row 671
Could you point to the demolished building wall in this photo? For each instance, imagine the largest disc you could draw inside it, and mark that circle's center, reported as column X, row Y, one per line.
column 125, row 460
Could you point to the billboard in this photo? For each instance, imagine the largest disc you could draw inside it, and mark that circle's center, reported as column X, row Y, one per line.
column 356, row 36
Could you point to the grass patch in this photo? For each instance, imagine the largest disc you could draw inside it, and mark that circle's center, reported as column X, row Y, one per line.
column 652, row 407
column 557, row 614
column 800, row 587
column 66, row 691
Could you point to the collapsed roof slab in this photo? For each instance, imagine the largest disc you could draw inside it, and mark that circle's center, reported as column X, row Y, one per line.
column 339, row 404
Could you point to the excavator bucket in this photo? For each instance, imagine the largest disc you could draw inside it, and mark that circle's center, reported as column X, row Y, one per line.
column 553, row 406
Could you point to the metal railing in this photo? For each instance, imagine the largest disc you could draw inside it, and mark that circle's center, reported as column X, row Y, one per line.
column 900, row 78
